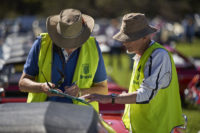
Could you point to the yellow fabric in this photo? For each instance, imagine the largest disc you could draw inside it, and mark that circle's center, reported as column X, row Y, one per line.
column 107, row 127
column 163, row 112
column 86, row 67
column 44, row 64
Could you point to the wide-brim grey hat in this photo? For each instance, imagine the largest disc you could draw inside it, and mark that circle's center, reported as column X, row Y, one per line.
column 69, row 29
column 134, row 26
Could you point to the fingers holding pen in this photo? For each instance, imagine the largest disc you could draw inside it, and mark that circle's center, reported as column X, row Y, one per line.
column 45, row 87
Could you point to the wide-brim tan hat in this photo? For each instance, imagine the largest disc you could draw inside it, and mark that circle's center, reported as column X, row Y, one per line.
column 134, row 26
column 69, row 29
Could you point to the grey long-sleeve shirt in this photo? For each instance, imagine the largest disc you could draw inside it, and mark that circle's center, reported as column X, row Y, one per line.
column 159, row 63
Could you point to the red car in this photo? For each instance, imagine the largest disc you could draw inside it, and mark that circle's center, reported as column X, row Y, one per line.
column 112, row 113
column 186, row 69
column 12, row 72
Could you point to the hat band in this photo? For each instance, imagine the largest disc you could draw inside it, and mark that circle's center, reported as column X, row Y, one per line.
column 82, row 29
column 141, row 31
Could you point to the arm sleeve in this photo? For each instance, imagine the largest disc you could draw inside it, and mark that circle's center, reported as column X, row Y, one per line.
column 31, row 66
column 100, row 74
column 157, row 73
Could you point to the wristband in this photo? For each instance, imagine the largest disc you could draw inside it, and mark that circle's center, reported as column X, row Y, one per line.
column 113, row 96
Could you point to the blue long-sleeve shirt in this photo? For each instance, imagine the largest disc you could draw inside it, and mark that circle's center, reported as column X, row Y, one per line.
column 31, row 68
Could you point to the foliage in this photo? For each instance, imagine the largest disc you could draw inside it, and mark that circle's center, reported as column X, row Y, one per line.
column 169, row 9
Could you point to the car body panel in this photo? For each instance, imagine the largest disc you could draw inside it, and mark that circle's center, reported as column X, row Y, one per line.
column 115, row 121
column 192, row 92
column 185, row 67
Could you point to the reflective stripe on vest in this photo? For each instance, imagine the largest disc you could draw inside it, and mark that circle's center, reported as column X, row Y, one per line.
column 163, row 112
column 84, row 72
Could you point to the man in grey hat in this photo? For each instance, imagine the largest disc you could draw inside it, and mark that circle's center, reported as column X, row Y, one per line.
column 66, row 57
column 153, row 102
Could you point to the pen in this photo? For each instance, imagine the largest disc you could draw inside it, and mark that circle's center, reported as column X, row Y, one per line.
column 74, row 83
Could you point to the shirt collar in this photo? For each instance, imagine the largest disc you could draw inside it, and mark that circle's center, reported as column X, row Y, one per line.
column 67, row 56
column 152, row 42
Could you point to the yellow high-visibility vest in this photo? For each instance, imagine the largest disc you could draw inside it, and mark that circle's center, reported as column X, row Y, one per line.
column 163, row 112
column 84, row 72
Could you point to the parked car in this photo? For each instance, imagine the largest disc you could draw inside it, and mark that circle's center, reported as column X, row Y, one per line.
column 51, row 117
column 112, row 113
column 12, row 73
column 185, row 67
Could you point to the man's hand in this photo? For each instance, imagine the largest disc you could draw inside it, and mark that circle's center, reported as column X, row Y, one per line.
column 99, row 98
column 45, row 88
column 72, row 90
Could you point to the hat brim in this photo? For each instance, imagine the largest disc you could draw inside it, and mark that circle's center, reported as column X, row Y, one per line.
column 122, row 37
column 76, row 42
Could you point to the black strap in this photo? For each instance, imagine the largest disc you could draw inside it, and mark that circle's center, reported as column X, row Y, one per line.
column 60, row 53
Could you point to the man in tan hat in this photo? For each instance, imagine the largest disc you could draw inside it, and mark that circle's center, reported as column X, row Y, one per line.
column 153, row 101
column 67, row 58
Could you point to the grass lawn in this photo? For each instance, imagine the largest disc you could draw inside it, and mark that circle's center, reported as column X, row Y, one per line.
column 122, row 76
column 193, row 116
column 189, row 50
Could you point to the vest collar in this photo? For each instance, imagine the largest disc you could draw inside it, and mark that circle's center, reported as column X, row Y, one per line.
column 137, row 57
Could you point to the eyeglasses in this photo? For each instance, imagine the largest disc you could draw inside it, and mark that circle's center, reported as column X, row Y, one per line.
column 59, row 83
